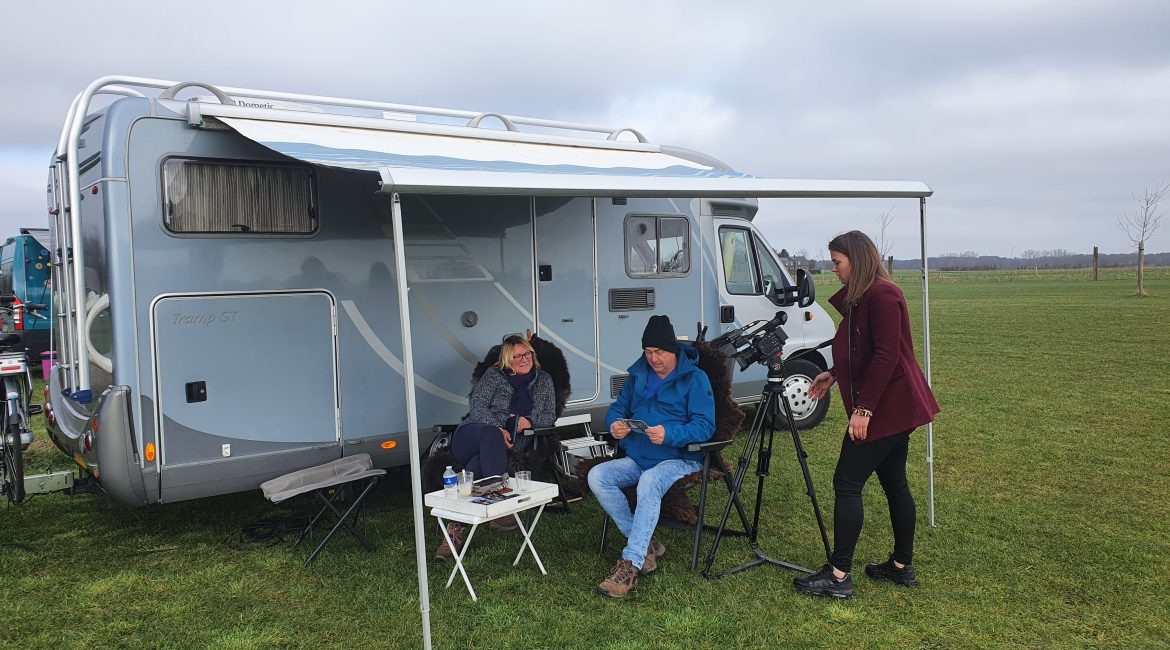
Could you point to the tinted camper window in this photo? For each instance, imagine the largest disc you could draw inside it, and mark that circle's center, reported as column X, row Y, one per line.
column 203, row 196
column 657, row 246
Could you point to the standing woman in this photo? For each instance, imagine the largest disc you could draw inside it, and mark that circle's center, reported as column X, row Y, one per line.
column 513, row 395
column 887, row 397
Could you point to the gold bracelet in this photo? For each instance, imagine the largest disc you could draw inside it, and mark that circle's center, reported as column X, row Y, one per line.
column 863, row 412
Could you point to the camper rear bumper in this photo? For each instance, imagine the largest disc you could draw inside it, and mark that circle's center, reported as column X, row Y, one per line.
column 101, row 444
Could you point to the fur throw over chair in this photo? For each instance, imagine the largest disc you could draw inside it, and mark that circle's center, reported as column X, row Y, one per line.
column 729, row 417
column 552, row 361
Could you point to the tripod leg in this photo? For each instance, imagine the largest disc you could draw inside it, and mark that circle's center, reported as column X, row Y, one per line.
column 734, row 485
column 802, row 458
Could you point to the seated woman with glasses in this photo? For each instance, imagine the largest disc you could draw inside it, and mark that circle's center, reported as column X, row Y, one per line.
column 513, row 395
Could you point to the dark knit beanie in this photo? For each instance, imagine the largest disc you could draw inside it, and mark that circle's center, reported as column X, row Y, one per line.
column 660, row 334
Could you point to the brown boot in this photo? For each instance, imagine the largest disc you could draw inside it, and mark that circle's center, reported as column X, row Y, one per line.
column 444, row 551
column 656, row 550
column 504, row 524
column 622, row 578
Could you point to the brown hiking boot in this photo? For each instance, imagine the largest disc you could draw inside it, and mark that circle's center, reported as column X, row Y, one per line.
column 656, row 550
column 504, row 524
column 622, row 578
column 444, row 551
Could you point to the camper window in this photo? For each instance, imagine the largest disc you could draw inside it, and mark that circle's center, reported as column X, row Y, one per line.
column 768, row 266
column 657, row 246
column 739, row 272
column 204, row 196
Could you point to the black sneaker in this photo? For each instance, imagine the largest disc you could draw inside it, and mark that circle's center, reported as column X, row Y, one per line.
column 824, row 583
column 887, row 571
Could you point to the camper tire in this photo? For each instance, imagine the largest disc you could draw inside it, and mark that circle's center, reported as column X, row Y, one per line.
column 798, row 378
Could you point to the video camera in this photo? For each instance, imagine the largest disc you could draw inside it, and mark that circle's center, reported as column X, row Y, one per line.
column 757, row 342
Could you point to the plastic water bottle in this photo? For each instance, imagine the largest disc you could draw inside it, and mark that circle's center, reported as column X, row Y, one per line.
column 450, row 486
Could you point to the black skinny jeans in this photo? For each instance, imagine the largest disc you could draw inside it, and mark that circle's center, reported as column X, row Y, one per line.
column 887, row 457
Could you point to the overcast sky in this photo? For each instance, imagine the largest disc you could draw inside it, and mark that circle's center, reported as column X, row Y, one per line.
column 1033, row 122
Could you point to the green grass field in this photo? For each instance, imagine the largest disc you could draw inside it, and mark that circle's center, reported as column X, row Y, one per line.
column 1052, row 470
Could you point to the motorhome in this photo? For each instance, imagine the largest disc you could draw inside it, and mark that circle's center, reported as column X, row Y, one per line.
column 24, row 275
column 230, row 311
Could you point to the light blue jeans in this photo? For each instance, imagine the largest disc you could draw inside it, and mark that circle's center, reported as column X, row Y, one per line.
column 607, row 480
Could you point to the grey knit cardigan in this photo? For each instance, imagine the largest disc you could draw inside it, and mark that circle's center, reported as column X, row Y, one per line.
column 492, row 394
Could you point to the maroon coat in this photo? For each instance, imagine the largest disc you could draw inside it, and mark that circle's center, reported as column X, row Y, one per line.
column 881, row 369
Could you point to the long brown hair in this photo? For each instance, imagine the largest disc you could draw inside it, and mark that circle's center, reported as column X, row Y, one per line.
column 865, row 264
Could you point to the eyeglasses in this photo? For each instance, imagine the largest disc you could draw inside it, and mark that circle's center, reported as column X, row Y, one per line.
column 526, row 356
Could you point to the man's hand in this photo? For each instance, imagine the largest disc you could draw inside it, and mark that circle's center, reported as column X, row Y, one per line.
column 523, row 423
column 656, row 434
column 619, row 429
column 507, row 437
column 821, row 385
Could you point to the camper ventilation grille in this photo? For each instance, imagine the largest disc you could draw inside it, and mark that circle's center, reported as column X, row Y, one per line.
column 726, row 212
column 615, row 384
column 619, row 200
column 631, row 299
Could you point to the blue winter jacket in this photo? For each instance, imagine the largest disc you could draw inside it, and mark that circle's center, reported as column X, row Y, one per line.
column 684, row 405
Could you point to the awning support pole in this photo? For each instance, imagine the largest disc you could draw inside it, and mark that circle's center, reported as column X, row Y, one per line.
column 926, row 350
column 420, row 548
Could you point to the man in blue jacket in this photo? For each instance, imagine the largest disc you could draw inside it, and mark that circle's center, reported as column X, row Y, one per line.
column 667, row 392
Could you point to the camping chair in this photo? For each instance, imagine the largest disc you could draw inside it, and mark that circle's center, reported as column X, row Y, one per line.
column 545, row 454
column 678, row 511
column 328, row 482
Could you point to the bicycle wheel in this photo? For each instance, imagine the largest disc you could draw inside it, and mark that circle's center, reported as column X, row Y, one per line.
column 13, row 456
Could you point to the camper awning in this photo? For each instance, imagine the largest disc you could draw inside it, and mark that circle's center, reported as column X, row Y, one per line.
column 440, row 159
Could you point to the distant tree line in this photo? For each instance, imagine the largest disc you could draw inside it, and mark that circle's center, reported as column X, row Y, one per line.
column 1031, row 259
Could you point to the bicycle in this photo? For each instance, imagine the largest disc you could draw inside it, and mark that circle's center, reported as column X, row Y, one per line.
column 15, row 418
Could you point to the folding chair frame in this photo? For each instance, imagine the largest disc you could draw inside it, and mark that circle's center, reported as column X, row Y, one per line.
column 710, row 450
column 342, row 518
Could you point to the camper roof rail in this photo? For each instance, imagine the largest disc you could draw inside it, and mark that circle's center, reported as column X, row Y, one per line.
column 66, row 177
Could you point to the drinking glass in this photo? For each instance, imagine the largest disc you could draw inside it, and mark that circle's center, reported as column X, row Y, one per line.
column 523, row 480
column 465, row 478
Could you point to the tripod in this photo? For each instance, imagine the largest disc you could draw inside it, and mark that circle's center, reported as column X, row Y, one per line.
column 762, row 434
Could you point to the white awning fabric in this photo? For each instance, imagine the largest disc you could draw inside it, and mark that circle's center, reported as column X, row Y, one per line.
column 463, row 160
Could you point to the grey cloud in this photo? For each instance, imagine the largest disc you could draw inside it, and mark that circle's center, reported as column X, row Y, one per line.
column 1033, row 121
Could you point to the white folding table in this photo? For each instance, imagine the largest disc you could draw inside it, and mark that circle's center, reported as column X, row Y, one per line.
column 463, row 510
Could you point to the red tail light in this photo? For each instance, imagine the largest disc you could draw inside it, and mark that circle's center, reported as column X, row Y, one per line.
column 17, row 314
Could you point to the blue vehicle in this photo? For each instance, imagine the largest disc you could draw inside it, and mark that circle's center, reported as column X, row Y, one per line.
column 24, row 273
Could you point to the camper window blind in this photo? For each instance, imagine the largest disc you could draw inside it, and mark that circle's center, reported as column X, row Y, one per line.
column 202, row 196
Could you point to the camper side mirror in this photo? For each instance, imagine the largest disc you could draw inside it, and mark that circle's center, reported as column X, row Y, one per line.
column 806, row 291
column 801, row 295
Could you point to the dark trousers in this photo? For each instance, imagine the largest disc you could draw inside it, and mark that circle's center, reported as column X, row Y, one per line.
column 480, row 448
column 887, row 457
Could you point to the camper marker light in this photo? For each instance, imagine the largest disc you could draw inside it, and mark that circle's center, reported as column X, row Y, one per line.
column 94, row 190
column 389, row 444
column 87, row 440
column 150, row 452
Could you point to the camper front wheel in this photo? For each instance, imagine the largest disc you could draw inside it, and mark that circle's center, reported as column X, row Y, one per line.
column 798, row 377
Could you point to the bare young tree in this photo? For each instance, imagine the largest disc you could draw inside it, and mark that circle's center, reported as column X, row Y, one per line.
column 885, row 246
column 1141, row 224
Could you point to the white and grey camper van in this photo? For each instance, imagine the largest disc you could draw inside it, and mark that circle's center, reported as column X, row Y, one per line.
column 227, row 288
